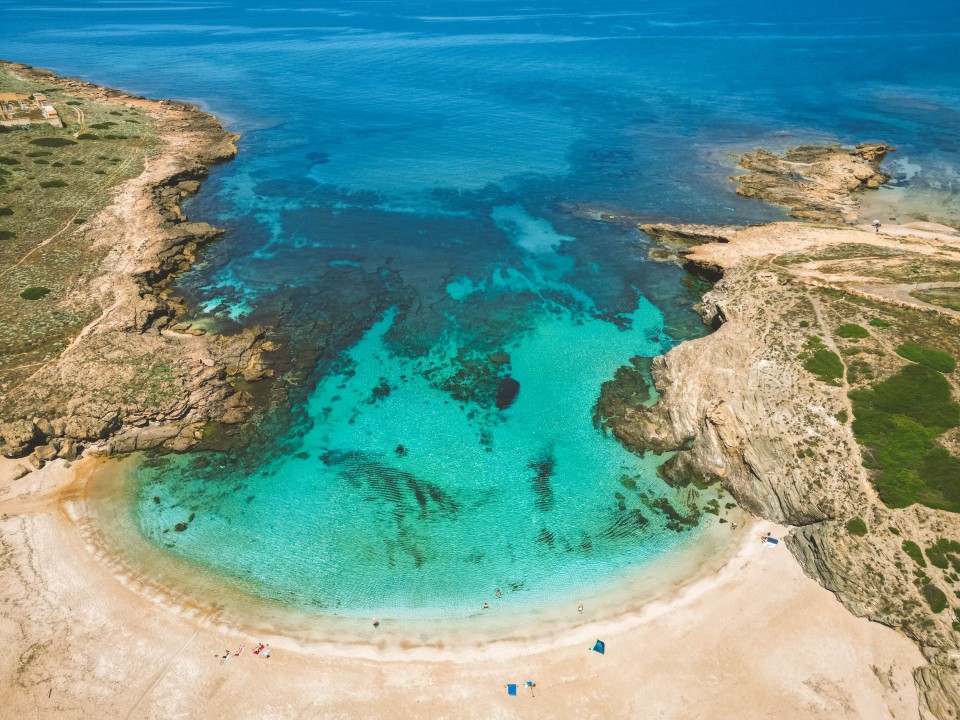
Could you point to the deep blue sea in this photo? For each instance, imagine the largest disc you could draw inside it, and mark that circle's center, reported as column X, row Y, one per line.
column 408, row 210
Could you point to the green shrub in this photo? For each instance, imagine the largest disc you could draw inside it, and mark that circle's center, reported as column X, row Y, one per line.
column 79, row 221
column 852, row 331
column 857, row 527
column 6, row 211
column 914, row 552
column 879, row 323
column 842, row 417
column 39, row 153
column 53, row 183
column 34, row 293
column 88, row 136
column 7, row 234
column 943, row 552
column 53, row 142
column 826, row 365
column 5, row 160
column 804, row 324
column 103, row 125
column 940, row 361
column 935, row 597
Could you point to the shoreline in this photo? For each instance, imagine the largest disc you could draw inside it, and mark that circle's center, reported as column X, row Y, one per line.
column 164, row 577
column 168, row 662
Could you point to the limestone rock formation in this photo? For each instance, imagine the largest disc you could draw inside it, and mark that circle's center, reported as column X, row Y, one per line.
column 814, row 182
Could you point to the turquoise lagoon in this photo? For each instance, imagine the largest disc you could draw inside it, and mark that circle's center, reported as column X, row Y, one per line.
column 412, row 201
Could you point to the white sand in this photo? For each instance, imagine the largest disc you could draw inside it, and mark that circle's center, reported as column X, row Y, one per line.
column 756, row 639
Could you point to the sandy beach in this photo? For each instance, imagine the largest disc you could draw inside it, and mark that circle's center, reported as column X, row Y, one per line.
column 756, row 639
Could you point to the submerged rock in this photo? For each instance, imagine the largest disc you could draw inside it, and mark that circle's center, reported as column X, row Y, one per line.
column 507, row 392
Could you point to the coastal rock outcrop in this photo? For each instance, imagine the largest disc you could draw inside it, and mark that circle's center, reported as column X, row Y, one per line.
column 814, row 182
column 763, row 406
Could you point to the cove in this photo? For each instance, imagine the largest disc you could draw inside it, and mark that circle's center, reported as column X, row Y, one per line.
column 405, row 501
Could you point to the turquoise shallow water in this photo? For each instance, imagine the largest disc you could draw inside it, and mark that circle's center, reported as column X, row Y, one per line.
column 401, row 499
column 409, row 200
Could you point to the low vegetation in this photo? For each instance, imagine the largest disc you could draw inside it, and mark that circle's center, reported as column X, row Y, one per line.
column 936, row 359
column 948, row 297
column 914, row 552
column 898, row 421
column 53, row 142
column 857, row 526
column 944, row 553
column 820, row 361
column 852, row 331
column 34, row 293
column 935, row 597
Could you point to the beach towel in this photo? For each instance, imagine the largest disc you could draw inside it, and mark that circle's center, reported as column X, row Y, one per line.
column 600, row 647
column 512, row 689
column 772, row 541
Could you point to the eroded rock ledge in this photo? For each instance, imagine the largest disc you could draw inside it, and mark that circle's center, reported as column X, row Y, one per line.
column 136, row 378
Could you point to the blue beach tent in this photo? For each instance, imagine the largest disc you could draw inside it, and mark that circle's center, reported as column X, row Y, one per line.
column 512, row 689
column 599, row 647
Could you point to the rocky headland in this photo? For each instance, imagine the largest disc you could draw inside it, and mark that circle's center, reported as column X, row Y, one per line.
column 135, row 376
column 775, row 404
column 815, row 182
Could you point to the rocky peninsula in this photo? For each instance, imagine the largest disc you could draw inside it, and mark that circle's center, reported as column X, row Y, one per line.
column 814, row 400
column 96, row 353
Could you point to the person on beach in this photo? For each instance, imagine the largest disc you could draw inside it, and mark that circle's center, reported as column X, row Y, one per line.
column 876, row 226
column 580, row 608
column 486, row 606
column 497, row 592
column 376, row 623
